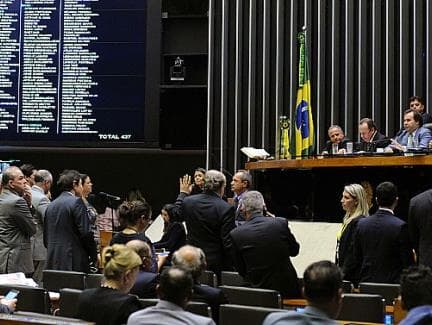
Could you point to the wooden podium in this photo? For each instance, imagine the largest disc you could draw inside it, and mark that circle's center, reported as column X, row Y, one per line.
column 310, row 189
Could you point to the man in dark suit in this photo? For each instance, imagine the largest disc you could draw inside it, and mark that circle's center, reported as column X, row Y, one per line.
column 420, row 226
column 67, row 233
column 417, row 103
column 193, row 260
column 381, row 243
column 146, row 281
column 240, row 184
column 17, row 224
column 262, row 248
column 336, row 136
column 42, row 185
column 209, row 220
column 370, row 137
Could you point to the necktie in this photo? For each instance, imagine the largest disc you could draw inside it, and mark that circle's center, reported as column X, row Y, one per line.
column 410, row 142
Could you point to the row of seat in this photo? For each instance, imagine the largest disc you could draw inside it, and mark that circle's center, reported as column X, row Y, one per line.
column 236, row 294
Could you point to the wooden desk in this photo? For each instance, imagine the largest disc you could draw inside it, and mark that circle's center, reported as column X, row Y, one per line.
column 338, row 162
column 24, row 318
column 310, row 189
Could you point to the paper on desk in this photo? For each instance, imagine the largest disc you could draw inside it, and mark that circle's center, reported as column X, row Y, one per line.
column 17, row 278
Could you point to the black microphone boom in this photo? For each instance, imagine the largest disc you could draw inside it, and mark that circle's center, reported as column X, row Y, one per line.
column 110, row 196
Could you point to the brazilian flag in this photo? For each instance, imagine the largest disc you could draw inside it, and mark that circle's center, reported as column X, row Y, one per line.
column 304, row 139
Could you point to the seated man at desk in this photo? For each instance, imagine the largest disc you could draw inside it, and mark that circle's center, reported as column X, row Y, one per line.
column 370, row 137
column 413, row 135
column 337, row 136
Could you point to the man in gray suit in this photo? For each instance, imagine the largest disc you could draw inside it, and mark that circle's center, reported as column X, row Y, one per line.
column 17, row 224
column 43, row 180
column 67, row 234
column 323, row 292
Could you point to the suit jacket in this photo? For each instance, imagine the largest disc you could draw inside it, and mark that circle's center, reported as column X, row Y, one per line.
column 378, row 141
column 67, row 235
column 420, row 226
column 262, row 248
column 420, row 140
column 166, row 313
column 40, row 203
column 345, row 253
column 17, row 225
column 214, row 297
column 209, row 220
column 382, row 247
column 342, row 145
column 310, row 316
column 426, row 117
column 173, row 238
column 106, row 306
column 145, row 285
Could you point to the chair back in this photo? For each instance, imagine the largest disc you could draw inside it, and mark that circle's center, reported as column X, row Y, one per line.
column 236, row 314
column 54, row 280
column 232, row 279
column 68, row 306
column 347, row 286
column 195, row 307
column 199, row 308
column 209, row 278
column 388, row 291
column 93, row 280
column 360, row 307
column 29, row 298
column 252, row 296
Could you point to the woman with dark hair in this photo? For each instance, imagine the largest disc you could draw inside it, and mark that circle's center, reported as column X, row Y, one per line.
column 111, row 304
column 174, row 233
column 135, row 216
column 91, row 211
column 198, row 181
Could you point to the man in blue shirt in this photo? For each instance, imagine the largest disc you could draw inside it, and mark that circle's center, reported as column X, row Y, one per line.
column 413, row 135
column 323, row 292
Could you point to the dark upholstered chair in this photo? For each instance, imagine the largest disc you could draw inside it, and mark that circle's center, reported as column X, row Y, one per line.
column 93, row 280
column 196, row 307
column 358, row 307
column 68, row 306
column 29, row 298
column 388, row 291
column 209, row 278
column 347, row 286
column 232, row 279
column 237, row 314
column 252, row 296
column 54, row 280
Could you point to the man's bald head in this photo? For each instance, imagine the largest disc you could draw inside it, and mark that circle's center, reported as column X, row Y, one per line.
column 143, row 250
column 191, row 259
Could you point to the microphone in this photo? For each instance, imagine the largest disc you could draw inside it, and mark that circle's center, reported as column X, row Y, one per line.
column 109, row 196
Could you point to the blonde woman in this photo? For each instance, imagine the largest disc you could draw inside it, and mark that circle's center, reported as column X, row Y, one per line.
column 354, row 202
column 111, row 304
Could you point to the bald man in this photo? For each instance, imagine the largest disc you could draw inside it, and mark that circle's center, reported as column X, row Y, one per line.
column 193, row 260
column 146, row 281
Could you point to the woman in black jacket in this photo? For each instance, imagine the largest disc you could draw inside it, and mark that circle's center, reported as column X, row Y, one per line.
column 355, row 204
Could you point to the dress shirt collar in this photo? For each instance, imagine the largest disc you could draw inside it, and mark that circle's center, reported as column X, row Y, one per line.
column 386, row 209
column 164, row 304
